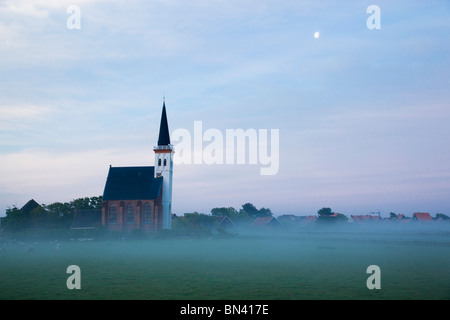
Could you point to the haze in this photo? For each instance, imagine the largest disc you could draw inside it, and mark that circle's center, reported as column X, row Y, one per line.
column 362, row 114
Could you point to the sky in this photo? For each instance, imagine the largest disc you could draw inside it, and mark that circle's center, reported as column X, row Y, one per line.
column 363, row 114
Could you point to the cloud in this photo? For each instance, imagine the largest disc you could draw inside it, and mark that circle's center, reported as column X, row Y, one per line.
column 15, row 119
column 62, row 174
column 22, row 112
column 24, row 8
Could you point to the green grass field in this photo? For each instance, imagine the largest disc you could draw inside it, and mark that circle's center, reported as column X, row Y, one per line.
column 308, row 263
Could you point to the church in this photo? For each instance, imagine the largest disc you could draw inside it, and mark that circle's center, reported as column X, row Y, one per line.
column 141, row 197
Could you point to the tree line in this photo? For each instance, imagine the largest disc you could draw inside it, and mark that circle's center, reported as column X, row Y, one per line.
column 201, row 222
column 57, row 215
column 248, row 211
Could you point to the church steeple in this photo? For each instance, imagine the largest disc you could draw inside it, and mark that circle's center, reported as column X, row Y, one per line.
column 164, row 168
column 164, row 137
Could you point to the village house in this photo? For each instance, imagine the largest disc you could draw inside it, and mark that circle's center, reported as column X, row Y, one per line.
column 224, row 222
column 365, row 218
column 266, row 222
column 290, row 220
column 422, row 216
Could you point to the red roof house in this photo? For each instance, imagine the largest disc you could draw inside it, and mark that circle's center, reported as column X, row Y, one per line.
column 365, row 217
column 266, row 222
column 422, row 216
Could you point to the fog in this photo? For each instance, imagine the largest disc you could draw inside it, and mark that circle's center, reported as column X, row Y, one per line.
column 309, row 262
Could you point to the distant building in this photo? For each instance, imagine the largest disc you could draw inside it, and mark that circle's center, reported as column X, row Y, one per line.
column 29, row 206
column 224, row 222
column 334, row 215
column 25, row 210
column 365, row 218
column 399, row 218
column 290, row 220
column 422, row 216
column 270, row 222
column 141, row 197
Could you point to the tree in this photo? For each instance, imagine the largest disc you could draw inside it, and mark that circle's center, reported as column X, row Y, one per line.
column 325, row 212
column 250, row 210
column 442, row 216
column 92, row 203
column 327, row 215
column 38, row 218
column 253, row 212
column 55, row 215
column 264, row 212
column 199, row 219
column 61, row 214
column 15, row 220
column 229, row 212
column 195, row 223
column 340, row 218
column 242, row 217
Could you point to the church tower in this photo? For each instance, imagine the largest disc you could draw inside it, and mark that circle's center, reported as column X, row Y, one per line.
column 164, row 168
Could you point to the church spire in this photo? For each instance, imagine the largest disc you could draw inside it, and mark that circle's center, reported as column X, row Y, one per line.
column 164, row 137
column 164, row 168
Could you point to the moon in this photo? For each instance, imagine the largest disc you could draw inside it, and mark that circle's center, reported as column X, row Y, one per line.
column 317, row 35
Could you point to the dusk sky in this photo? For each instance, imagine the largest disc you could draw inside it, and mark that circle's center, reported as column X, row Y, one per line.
column 363, row 114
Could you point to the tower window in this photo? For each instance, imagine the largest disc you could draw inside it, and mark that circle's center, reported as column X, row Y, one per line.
column 165, row 162
column 159, row 162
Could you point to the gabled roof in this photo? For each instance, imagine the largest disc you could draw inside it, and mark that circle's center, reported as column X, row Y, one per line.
column 422, row 216
column 87, row 219
column 265, row 221
column 224, row 221
column 357, row 218
column 399, row 218
column 307, row 218
column 293, row 219
column 164, row 137
column 29, row 206
column 365, row 217
column 132, row 183
column 335, row 214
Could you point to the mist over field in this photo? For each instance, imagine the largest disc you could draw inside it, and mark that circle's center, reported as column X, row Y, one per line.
column 291, row 105
column 314, row 262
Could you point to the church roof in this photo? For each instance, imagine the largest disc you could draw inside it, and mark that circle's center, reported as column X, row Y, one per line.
column 164, row 137
column 132, row 183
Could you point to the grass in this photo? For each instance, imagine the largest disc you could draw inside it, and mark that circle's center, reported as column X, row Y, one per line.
column 299, row 264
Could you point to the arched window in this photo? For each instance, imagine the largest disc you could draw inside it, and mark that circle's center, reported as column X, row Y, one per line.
column 165, row 162
column 147, row 213
column 159, row 162
column 113, row 214
column 130, row 213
